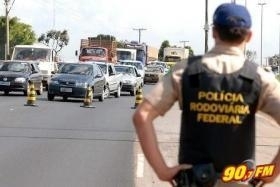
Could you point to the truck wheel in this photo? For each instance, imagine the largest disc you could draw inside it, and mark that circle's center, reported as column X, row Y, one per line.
column 118, row 93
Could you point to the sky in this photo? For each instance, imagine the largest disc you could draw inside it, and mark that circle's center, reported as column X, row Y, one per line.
column 175, row 21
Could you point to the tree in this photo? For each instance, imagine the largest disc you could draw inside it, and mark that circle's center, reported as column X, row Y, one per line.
column 20, row 34
column 164, row 44
column 191, row 53
column 105, row 37
column 251, row 55
column 55, row 39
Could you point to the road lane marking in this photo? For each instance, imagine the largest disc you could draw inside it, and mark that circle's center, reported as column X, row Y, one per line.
column 140, row 165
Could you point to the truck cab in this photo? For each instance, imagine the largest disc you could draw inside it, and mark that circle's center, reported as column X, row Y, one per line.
column 43, row 55
column 93, row 54
column 172, row 55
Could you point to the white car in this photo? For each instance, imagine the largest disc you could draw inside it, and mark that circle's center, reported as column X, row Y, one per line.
column 131, row 78
column 160, row 63
column 138, row 64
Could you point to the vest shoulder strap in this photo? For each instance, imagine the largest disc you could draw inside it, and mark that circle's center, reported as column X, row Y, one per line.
column 194, row 65
column 249, row 70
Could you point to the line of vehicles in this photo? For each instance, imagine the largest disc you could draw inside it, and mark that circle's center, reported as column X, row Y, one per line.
column 104, row 67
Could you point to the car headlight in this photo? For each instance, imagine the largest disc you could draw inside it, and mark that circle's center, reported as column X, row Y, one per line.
column 20, row 80
column 81, row 84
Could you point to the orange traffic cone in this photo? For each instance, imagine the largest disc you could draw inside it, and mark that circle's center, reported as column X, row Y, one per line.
column 88, row 98
column 138, row 98
column 31, row 94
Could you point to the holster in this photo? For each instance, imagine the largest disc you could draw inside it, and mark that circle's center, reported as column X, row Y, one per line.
column 256, row 182
column 201, row 175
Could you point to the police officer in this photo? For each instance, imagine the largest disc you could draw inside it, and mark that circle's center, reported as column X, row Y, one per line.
column 219, row 94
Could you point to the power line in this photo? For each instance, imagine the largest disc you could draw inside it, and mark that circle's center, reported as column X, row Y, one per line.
column 139, row 33
column 184, row 42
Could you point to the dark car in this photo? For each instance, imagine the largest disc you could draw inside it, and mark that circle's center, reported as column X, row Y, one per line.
column 15, row 75
column 72, row 80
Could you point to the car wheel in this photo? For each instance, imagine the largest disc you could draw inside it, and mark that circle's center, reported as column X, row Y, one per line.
column 6, row 92
column 50, row 97
column 106, row 91
column 118, row 93
column 101, row 98
column 40, row 91
column 25, row 92
column 64, row 98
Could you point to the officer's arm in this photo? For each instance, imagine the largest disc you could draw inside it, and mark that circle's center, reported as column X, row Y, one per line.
column 143, row 121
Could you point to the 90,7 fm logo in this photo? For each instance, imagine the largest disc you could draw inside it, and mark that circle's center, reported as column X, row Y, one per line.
column 242, row 173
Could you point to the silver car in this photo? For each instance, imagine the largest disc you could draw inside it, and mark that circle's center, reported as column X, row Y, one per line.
column 131, row 79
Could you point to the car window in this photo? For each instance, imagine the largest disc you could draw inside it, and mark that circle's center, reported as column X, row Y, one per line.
column 80, row 69
column 110, row 70
column 98, row 71
column 103, row 68
column 15, row 67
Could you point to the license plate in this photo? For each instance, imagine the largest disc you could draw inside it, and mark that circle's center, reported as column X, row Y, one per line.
column 4, row 83
column 66, row 90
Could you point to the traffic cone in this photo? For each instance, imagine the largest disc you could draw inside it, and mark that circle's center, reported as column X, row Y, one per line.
column 88, row 98
column 138, row 97
column 31, row 94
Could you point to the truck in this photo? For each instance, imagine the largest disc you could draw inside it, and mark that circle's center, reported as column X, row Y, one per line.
column 43, row 55
column 97, row 49
column 171, row 55
column 126, row 54
column 144, row 52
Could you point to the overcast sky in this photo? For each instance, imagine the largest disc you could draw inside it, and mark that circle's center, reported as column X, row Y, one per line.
column 175, row 20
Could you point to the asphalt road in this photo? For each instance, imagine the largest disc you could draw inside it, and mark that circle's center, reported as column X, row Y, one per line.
column 60, row 144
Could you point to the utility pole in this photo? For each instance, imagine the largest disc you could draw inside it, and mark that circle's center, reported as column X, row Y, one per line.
column 139, row 33
column 206, row 26
column 261, row 4
column 7, row 11
column 7, row 46
column 184, row 42
column 279, row 38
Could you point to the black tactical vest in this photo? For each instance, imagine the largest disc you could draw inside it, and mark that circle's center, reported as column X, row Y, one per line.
column 218, row 117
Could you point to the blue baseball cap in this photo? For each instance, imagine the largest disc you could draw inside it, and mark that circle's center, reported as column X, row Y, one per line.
column 232, row 15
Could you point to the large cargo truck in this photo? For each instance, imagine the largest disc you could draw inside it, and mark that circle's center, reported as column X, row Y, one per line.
column 97, row 49
column 126, row 54
column 144, row 53
column 172, row 55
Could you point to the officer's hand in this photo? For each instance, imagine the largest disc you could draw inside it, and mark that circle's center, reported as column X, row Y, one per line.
column 169, row 173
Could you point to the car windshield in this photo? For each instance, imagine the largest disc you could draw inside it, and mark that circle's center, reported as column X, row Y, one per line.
column 136, row 64
column 154, row 69
column 80, row 69
column 39, row 54
column 15, row 67
column 93, row 52
column 124, row 69
column 103, row 68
